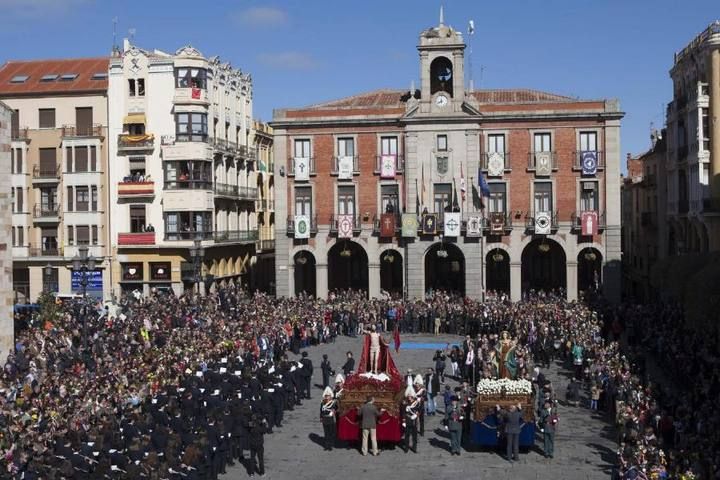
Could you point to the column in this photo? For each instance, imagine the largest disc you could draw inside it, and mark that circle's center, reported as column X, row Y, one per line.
column 374, row 280
column 321, row 280
column 288, row 272
column 515, row 281
column 571, row 281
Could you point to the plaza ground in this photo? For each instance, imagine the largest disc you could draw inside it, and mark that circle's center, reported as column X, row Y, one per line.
column 584, row 445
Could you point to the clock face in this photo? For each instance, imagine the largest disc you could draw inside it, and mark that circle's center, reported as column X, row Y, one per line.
column 441, row 100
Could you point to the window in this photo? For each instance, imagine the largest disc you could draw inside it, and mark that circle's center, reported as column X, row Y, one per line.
column 303, row 201
column 17, row 160
column 93, row 159
column 346, row 147
column 191, row 127
column 132, row 271
column 83, row 235
column 389, row 202
column 48, row 165
column 302, row 148
column 498, row 195
column 131, row 87
column 496, row 143
column 70, row 199
column 136, row 87
column 99, row 76
column 389, row 145
column 588, row 141
column 346, row 200
column 19, row 200
column 542, row 142
column 51, row 77
column 19, row 79
column 70, row 235
column 442, row 193
column 190, row 78
column 160, row 271
column 83, row 120
column 137, row 218
column 94, row 231
column 94, row 198
column 15, row 124
column 48, row 199
column 69, row 159
column 47, row 117
column 48, row 236
column 68, row 77
column 543, row 197
column 589, row 196
column 82, row 199
column 81, row 159
column 442, row 144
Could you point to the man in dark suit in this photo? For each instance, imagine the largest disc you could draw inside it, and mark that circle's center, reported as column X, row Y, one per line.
column 326, row 370
column 512, row 420
column 307, row 371
column 349, row 364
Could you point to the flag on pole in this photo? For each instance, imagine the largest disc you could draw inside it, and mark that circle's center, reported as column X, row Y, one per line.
column 417, row 198
column 463, row 188
column 455, row 205
column 422, row 186
column 471, row 27
column 484, row 192
column 484, row 188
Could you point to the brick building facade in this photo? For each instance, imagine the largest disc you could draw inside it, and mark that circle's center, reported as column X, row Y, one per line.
column 379, row 189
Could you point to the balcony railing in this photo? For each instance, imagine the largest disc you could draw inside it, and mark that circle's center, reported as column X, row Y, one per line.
column 46, row 174
column 356, row 226
column 136, row 238
column 399, row 164
column 46, row 211
column 142, row 142
column 293, row 168
column 397, row 220
column 191, row 137
column 578, row 159
column 248, row 193
column 235, row 236
column 534, row 157
column 187, row 185
column 336, row 165
column 495, row 223
column 291, row 224
column 188, row 235
column 247, row 152
column 225, row 190
column 530, row 221
column 136, row 189
column 44, row 252
column 80, row 131
column 20, row 134
column 504, row 155
column 576, row 220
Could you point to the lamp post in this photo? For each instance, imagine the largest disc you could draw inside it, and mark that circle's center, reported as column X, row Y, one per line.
column 48, row 271
column 197, row 252
column 83, row 263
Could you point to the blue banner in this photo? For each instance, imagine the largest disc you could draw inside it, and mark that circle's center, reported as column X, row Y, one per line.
column 94, row 279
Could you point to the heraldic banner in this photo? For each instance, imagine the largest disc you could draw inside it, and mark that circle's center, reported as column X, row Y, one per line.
column 345, row 226
column 387, row 166
column 302, row 169
column 452, row 224
column 589, row 221
column 409, row 225
column 387, row 225
column 429, row 224
column 302, row 226
column 474, row 227
column 345, row 168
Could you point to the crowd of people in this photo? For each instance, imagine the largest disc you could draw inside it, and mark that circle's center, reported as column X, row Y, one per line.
column 181, row 389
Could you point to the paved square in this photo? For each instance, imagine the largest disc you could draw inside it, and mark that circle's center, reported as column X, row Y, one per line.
column 584, row 446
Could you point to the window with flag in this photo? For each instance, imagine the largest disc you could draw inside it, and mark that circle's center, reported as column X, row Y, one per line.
column 190, row 78
column 346, row 200
column 442, row 198
column 496, row 143
column 542, row 142
column 346, row 147
column 302, row 148
column 497, row 199
column 589, row 196
column 389, row 199
column 588, row 141
column 303, row 201
column 389, row 145
column 543, row 200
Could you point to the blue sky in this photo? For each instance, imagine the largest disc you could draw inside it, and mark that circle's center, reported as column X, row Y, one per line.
column 302, row 52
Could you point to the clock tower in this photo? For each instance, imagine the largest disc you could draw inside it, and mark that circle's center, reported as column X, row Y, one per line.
column 442, row 69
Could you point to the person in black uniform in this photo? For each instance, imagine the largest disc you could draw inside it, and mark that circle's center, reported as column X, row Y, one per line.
column 411, row 415
column 257, row 428
column 326, row 371
column 328, row 410
column 307, row 371
column 349, row 365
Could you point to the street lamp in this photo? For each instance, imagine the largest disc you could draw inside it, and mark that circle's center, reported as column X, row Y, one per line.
column 82, row 264
column 197, row 252
column 48, row 271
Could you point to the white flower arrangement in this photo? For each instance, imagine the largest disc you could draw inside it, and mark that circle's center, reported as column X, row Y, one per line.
column 498, row 386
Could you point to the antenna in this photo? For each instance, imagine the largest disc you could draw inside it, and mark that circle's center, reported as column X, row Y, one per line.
column 114, row 42
column 471, row 33
column 482, row 71
column 131, row 34
column 442, row 16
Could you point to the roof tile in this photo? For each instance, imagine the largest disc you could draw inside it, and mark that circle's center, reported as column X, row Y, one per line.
column 36, row 69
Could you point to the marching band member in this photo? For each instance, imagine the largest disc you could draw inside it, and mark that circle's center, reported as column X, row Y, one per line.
column 328, row 410
column 411, row 415
column 421, row 393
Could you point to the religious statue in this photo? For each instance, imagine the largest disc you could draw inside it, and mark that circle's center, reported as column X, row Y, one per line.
column 507, row 367
column 375, row 343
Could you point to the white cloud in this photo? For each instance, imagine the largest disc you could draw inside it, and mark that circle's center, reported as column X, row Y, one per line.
column 288, row 60
column 261, row 17
column 39, row 8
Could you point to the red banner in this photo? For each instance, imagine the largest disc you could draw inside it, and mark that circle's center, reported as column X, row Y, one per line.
column 589, row 223
column 196, row 93
column 387, row 225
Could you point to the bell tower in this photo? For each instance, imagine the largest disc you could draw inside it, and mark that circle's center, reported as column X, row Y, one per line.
column 442, row 69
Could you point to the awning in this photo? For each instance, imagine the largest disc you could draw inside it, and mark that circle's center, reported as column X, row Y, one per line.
column 134, row 118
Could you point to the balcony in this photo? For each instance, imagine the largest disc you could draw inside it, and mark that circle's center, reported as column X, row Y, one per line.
column 236, row 236
column 399, row 165
column 136, row 143
column 20, row 134
column 535, row 162
column 45, row 252
column 576, row 222
column 530, row 222
column 336, row 165
column 578, row 159
column 136, row 190
column 136, row 239
column 397, row 220
column 224, row 147
column 496, row 223
column 297, row 162
column 225, row 190
column 264, row 204
column 82, row 131
column 189, row 235
column 648, row 219
column 265, row 245
column 46, row 175
column 485, row 161
column 356, row 224
column 191, row 96
column 46, row 214
column 187, row 185
column 291, row 225
column 249, row 153
column 248, row 193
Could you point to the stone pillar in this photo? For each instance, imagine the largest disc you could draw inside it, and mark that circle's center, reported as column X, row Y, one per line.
column 289, row 273
column 612, row 275
column 571, row 281
column 321, row 280
column 284, row 284
column 515, row 281
column 374, row 280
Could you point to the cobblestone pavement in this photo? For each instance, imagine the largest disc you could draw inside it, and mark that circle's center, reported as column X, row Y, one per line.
column 584, row 443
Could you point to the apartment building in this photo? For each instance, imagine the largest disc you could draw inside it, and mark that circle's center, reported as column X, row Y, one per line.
column 382, row 190
column 184, row 177
column 7, row 328
column 263, row 269
column 58, row 164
